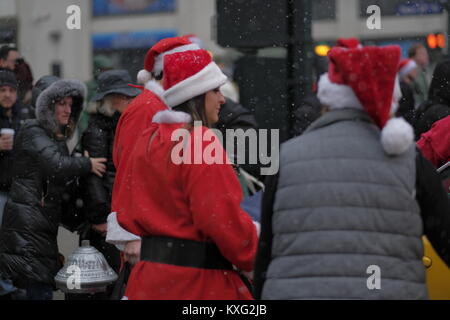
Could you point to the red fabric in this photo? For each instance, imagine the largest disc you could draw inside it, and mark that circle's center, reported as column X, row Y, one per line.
column 371, row 73
column 435, row 144
column 350, row 43
column 183, row 65
column 161, row 47
column 197, row 202
column 133, row 121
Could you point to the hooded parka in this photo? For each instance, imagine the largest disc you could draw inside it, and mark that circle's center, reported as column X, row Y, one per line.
column 43, row 166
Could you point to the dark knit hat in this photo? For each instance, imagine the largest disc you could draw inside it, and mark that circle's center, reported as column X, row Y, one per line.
column 8, row 78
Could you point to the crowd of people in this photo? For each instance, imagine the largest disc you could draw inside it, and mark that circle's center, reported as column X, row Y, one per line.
column 354, row 188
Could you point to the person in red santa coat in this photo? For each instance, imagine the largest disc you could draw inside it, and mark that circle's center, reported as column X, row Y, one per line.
column 435, row 144
column 139, row 114
column 194, row 234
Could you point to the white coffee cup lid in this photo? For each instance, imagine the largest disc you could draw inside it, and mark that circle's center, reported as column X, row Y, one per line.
column 7, row 131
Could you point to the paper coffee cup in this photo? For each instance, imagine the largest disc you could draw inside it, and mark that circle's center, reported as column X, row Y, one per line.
column 7, row 131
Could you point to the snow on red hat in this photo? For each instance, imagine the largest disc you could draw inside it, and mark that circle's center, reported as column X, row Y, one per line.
column 406, row 66
column 154, row 58
column 188, row 75
column 366, row 78
column 350, row 43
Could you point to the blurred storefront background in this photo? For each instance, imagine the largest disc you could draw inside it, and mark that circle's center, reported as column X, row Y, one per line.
column 123, row 30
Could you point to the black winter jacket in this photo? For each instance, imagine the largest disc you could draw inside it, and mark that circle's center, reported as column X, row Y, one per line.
column 428, row 114
column 98, row 140
column 6, row 157
column 234, row 116
column 309, row 111
column 42, row 166
column 407, row 107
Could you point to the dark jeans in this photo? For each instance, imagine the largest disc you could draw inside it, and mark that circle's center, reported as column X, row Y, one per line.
column 39, row 291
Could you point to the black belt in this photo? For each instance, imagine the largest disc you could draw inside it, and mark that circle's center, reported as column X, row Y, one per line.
column 183, row 253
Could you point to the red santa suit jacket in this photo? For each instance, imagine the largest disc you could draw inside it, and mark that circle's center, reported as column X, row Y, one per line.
column 198, row 202
column 435, row 144
column 133, row 121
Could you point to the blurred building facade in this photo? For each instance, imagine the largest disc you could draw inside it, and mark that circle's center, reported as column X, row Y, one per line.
column 125, row 29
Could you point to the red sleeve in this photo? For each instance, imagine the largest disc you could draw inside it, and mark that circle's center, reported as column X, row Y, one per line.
column 215, row 195
column 435, row 144
column 427, row 150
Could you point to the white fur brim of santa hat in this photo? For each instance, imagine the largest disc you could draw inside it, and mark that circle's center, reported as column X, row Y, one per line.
column 170, row 117
column 144, row 76
column 336, row 96
column 209, row 78
column 397, row 136
column 407, row 68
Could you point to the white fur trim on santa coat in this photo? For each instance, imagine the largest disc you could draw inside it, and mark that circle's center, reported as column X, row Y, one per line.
column 410, row 66
column 258, row 227
column 396, row 97
column 117, row 235
column 337, row 96
column 170, row 116
column 209, row 78
column 156, row 88
column 397, row 136
column 159, row 60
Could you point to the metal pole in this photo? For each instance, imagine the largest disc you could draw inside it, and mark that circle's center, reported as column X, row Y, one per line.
column 300, row 53
column 446, row 5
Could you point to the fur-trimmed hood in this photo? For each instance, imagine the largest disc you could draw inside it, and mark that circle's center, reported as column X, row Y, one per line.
column 45, row 104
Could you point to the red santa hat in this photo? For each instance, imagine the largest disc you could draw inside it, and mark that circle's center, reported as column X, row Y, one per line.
column 406, row 66
column 350, row 43
column 155, row 56
column 188, row 75
column 366, row 78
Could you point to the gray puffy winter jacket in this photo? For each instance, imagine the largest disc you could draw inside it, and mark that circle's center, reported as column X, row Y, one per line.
column 342, row 206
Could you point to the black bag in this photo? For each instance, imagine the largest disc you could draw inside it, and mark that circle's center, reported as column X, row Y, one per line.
column 121, row 283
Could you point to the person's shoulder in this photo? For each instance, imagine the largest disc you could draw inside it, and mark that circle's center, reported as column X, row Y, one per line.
column 31, row 132
column 100, row 121
column 32, row 126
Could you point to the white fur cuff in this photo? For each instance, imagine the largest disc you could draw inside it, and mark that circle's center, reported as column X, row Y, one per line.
column 117, row 235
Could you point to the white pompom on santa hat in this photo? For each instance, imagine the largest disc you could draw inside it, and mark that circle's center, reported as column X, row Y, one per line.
column 366, row 78
column 155, row 56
